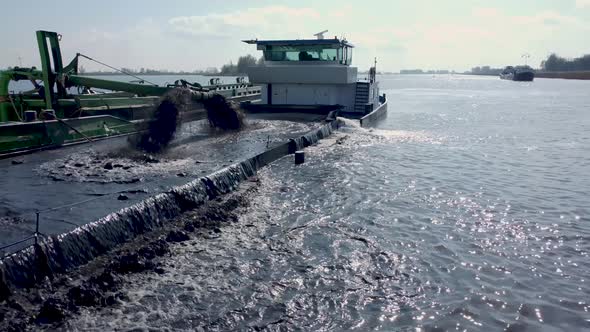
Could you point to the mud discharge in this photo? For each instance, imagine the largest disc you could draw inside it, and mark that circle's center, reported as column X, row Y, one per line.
column 221, row 113
column 165, row 121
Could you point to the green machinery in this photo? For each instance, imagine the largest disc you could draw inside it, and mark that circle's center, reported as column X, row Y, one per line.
column 50, row 116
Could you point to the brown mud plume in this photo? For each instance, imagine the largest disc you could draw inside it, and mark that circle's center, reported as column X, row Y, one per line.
column 165, row 121
column 221, row 113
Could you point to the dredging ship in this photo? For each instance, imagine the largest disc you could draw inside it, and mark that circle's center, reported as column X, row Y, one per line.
column 67, row 108
column 307, row 76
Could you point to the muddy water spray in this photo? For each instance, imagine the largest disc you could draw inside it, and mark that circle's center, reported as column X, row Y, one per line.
column 221, row 113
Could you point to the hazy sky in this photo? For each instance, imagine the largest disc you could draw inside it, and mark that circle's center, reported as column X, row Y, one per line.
column 189, row 34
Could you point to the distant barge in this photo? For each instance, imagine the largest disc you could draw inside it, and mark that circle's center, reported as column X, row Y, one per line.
column 518, row 73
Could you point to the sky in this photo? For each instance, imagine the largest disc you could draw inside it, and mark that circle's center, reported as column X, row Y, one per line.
column 189, row 34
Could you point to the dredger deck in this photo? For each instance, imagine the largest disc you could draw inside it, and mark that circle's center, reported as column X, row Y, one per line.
column 80, row 184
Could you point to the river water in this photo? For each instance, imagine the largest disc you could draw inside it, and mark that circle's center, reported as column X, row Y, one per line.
column 466, row 209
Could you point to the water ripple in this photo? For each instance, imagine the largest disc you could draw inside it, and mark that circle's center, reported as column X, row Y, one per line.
column 466, row 210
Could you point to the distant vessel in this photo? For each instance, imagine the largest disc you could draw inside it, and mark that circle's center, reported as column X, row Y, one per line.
column 518, row 73
column 314, row 76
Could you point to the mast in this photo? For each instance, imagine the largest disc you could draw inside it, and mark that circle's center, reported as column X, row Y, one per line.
column 526, row 57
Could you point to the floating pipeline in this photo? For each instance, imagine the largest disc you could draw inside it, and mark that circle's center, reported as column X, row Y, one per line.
column 64, row 252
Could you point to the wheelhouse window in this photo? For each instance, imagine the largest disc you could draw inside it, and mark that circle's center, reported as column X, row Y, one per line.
column 348, row 58
column 334, row 53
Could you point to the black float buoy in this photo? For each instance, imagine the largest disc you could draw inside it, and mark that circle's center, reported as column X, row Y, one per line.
column 299, row 157
column 48, row 114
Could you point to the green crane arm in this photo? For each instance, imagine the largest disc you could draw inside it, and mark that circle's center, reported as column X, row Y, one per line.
column 139, row 89
column 7, row 113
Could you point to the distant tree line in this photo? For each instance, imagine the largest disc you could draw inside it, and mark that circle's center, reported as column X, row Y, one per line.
column 553, row 63
column 420, row 71
column 557, row 63
column 146, row 71
column 240, row 68
column 229, row 69
column 486, row 70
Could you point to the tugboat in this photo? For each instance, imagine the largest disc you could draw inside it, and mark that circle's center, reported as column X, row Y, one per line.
column 518, row 73
column 314, row 76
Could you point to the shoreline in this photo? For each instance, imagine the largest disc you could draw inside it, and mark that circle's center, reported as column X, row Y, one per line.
column 566, row 75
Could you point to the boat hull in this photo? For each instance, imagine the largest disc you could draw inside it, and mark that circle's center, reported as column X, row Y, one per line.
column 377, row 115
column 365, row 120
column 289, row 108
column 526, row 76
column 18, row 138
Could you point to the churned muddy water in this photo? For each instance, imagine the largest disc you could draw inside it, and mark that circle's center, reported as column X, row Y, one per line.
column 467, row 209
column 105, row 176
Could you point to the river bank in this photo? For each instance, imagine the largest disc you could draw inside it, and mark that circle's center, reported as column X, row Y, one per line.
column 568, row 75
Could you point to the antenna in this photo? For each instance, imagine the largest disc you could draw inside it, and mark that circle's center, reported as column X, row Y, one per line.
column 320, row 35
column 20, row 61
column 526, row 57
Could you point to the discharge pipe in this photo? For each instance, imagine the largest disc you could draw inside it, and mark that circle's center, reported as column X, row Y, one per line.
column 221, row 113
column 139, row 89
